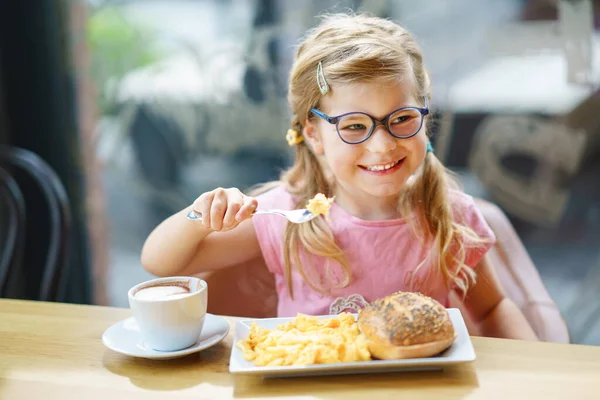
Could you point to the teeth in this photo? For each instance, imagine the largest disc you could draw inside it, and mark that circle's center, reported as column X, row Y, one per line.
column 382, row 167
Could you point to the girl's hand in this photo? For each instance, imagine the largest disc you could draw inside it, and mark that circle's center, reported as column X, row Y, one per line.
column 224, row 209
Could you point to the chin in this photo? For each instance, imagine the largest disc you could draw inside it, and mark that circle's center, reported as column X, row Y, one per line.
column 384, row 190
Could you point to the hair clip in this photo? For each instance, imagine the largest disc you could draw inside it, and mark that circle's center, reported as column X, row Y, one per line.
column 323, row 86
column 429, row 147
column 293, row 137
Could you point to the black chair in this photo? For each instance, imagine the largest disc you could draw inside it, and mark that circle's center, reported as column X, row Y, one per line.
column 13, row 227
column 26, row 165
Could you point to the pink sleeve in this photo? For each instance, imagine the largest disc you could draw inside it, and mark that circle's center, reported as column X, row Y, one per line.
column 271, row 228
column 469, row 215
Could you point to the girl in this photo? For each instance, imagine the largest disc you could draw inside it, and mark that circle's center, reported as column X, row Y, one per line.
column 359, row 94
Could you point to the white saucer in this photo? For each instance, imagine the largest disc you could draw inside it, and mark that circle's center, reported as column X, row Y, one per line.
column 124, row 337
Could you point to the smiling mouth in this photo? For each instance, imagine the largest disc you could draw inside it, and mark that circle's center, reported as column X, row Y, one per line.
column 382, row 167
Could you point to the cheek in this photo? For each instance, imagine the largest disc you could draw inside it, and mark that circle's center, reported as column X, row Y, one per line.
column 418, row 149
column 340, row 156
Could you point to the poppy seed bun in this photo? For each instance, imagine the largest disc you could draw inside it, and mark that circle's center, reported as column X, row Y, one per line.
column 406, row 325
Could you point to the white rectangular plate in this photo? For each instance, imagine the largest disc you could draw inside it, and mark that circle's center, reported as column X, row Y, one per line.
column 461, row 351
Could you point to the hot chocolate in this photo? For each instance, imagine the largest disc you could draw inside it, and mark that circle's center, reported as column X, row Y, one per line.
column 163, row 291
column 169, row 311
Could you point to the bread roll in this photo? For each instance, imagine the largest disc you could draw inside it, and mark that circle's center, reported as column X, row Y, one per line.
column 406, row 325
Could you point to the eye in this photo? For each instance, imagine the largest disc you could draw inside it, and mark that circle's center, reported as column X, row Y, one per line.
column 354, row 127
column 405, row 117
column 400, row 119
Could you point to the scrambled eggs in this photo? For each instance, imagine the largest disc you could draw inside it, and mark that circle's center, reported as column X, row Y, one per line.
column 306, row 340
column 319, row 204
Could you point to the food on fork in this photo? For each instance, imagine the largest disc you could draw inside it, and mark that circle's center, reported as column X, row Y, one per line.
column 319, row 204
column 406, row 325
column 306, row 340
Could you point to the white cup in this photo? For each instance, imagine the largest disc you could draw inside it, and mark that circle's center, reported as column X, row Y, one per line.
column 170, row 323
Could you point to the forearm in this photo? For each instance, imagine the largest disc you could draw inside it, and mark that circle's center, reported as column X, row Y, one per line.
column 505, row 320
column 171, row 246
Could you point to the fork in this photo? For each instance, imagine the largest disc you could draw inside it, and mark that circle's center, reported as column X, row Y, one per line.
column 296, row 216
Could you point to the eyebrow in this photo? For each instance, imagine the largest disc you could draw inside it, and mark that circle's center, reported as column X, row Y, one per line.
column 375, row 116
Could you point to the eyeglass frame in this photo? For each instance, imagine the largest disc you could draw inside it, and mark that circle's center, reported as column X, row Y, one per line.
column 384, row 122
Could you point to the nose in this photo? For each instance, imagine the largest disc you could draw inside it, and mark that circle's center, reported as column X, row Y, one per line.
column 381, row 141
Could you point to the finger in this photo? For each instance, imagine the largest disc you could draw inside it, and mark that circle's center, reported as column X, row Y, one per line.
column 234, row 203
column 202, row 206
column 217, row 209
column 245, row 212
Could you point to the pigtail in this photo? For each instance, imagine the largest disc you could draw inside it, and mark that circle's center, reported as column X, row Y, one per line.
column 303, row 180
column 434, row 221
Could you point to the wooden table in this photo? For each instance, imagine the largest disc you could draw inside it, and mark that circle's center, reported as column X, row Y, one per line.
column 50, row 350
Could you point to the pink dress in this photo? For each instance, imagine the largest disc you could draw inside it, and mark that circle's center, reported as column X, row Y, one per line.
column 380, row 255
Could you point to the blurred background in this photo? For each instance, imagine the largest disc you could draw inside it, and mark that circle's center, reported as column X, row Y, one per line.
column 132, row 108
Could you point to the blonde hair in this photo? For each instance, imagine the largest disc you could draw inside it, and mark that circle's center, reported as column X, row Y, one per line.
column 360, row 48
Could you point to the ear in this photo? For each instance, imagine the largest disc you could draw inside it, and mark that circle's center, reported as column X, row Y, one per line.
column 312, row 136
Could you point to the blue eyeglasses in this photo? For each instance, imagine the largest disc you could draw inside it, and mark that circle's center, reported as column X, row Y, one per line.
column 357, row 127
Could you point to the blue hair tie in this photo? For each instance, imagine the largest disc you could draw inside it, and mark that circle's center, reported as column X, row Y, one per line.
column 429, row 147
